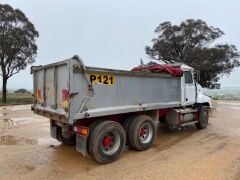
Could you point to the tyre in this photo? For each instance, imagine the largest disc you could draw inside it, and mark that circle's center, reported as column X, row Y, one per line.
column 126, row 124
column 91, row 127
column 106, row 142
column 94, row 124
column 142, row 133
column 202, row 118
column 66, row 138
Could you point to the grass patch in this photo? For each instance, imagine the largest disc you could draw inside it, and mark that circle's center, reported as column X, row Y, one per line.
column 17, row 99
column 223, row 94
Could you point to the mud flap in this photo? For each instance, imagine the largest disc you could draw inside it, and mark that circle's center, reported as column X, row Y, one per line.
column 53, row 131
column 81, row 144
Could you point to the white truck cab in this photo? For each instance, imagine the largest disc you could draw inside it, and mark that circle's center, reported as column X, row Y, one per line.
column 192, row 92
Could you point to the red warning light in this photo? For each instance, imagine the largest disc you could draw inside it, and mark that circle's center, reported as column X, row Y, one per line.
column 64, row 95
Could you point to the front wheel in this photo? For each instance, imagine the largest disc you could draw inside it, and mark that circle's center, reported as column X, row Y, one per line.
column 202, row 118
column 106, row 142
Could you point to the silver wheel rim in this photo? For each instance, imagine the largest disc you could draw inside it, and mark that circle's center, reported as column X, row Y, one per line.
column 145, row 137
column 112, row 147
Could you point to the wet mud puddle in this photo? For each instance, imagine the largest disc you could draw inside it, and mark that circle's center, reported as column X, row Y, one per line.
column 8, row 123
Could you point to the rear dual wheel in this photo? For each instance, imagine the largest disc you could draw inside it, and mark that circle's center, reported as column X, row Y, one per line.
column 106, row 141
column 141, row 132
column 108, row 138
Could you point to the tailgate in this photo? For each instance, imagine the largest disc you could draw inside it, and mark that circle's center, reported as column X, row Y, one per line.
column 51, row 87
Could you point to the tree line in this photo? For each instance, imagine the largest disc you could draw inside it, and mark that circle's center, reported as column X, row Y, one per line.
column 193, row 43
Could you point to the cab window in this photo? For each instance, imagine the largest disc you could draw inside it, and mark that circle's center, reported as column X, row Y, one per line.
column 188, row 77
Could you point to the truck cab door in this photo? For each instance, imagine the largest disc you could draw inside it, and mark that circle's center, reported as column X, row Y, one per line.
column 189, row 88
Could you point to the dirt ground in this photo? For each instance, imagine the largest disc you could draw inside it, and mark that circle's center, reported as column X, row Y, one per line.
column 28, row 152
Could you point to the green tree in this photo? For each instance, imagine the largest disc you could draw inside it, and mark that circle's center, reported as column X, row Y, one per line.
column 192, row 43
column 17, row 43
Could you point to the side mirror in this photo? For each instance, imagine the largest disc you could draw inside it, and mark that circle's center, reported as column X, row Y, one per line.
column 197, row 76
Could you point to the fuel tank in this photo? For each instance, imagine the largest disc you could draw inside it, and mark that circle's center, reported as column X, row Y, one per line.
column 185, row 115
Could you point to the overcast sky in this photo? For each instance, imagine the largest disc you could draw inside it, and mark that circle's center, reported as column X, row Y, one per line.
column 113, row 34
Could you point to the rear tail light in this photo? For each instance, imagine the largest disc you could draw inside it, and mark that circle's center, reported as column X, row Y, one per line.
column 84, row 131
column 64, row 95
column 65, row 98
column 38, row 96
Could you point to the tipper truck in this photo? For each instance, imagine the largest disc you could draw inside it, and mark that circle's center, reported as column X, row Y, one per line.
column 100, row 111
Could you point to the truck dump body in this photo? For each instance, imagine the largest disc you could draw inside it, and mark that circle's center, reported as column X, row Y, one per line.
column 68, row 91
